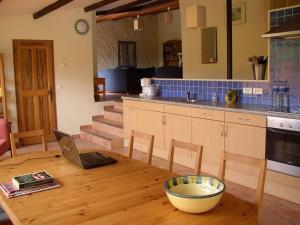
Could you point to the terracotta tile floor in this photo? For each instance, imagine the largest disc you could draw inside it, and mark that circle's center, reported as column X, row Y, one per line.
column 275, row 211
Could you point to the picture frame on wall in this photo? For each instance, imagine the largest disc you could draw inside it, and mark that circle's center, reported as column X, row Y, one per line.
column 239, row 13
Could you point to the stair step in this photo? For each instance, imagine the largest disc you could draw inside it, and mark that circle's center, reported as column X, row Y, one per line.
column 110, row 126
column 113, row 114
column 118, row 104
column 104, row 139
column 110, row 108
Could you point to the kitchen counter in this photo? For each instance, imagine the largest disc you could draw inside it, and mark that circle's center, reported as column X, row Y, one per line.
column 241, row 108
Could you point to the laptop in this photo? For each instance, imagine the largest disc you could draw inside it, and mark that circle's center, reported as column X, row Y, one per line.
column 84, row 160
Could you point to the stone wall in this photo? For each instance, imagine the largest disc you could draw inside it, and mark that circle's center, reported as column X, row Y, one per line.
column 109, row 33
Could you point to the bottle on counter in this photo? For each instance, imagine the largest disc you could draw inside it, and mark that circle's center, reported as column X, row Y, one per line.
column 275, row 96
column 280, row 96
column 285, row 99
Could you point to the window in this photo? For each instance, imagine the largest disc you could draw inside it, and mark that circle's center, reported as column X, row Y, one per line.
column 127, row 53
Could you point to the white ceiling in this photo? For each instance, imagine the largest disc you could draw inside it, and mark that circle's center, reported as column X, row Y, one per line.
column 19, row 7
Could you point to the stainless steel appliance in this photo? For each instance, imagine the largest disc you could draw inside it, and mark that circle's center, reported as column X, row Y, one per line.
column 283, row 145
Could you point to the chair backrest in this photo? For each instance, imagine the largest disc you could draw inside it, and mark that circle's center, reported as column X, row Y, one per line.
column 188, row 146
column 36, row 133
column 4, row 136
column 226, row 156
column 147, row 137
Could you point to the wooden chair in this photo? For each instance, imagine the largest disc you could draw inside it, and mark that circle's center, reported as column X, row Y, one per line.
column 147, row 137
column 195, row 148
column 36, row 133
column 99, row 82
column 226, row 156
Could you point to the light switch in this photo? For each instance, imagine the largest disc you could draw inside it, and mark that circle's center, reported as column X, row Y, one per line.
column 247, row 91
column 257, row 91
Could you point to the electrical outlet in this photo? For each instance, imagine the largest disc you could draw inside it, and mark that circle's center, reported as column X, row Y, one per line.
column 247, row 91
column 257, row 91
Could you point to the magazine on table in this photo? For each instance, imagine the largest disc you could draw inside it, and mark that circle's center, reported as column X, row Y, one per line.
column 11, row 191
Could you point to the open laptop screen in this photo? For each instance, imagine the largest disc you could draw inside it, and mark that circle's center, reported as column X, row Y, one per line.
column 68, row 147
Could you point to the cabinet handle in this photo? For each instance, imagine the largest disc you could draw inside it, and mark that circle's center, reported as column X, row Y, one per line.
column 222, row 130
column 226, row 131
column 244, row 119
column 165, row 120
column 162, row 120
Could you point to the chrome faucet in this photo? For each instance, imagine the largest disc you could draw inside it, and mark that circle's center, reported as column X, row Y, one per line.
column 188, row 96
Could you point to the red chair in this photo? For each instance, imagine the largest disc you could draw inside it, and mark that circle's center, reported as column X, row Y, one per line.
column 4, row 136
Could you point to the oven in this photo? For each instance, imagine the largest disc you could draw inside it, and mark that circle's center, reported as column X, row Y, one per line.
column 283, row 145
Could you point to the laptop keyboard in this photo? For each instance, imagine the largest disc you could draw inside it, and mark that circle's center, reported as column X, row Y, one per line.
column 94, row 159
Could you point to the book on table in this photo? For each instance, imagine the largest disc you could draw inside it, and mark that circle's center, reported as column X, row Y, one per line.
column 29, row 183
column 32, row 179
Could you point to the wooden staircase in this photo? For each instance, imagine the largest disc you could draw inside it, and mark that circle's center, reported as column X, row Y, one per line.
column 107, row 129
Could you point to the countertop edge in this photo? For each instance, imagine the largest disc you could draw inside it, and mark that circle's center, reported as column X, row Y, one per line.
column 219, row 108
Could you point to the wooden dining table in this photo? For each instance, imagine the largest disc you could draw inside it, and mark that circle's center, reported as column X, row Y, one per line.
column 127, row 193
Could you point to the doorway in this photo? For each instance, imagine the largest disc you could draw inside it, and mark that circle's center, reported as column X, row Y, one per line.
column 35, row 92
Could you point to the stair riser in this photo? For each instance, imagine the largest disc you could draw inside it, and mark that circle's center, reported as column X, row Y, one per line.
column 108, row 144
column 113, row 116
column 118, row 105
column 107, row 128
column 94, row 139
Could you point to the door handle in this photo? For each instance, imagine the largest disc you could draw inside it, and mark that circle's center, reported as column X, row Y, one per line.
column 50, row 92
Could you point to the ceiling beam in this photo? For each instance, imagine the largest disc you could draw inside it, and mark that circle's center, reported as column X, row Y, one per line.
column 159, row 2
column 133, row 6
column 124, row 8
column 98, row 5
column 50, row 8
column 172, row 5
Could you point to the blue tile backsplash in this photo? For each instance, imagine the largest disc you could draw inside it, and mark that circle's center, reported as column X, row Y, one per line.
column 284, row 66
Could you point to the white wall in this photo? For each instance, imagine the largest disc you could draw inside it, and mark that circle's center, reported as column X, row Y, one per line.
column 74, row 83
column 191, row 41
column 167, row 32
column 247, row 40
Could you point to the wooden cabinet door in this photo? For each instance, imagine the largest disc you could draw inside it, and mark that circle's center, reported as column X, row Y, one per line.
column 275, row 4
column 179, row 128
column 149, row 122
column 210, row 135
column 34, row 77
column 129, row 118
column 157, row 128
column 245, row 140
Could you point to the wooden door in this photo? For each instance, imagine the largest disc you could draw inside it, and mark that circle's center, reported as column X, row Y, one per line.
column 34, row 78
column 210, row 135
column 3, row 92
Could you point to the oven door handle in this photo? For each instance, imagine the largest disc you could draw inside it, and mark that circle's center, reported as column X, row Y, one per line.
column 279, row 131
